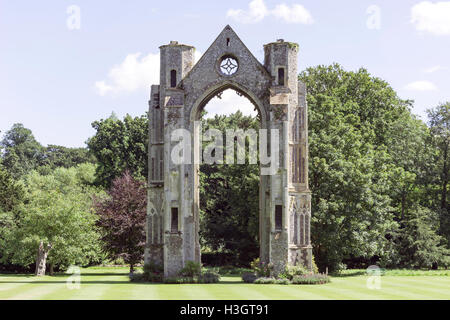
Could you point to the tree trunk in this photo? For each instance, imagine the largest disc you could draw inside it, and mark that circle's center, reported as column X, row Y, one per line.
column 41, row 259
column 131, row 268
column 51, row 269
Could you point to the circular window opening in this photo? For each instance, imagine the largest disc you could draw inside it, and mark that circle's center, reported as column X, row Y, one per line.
column 229, row 65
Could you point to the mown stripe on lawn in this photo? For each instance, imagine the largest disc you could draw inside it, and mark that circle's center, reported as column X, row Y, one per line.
column 441, row 282
column 33, row 290
column 409, row 288
column 117, row 286
column 9, row 285
column 91, row 288
column 296, row 292
column 132, row 291
column 244, row 291
column 146, row 291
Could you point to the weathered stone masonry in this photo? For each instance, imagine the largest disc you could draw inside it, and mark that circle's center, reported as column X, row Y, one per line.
column 173, row 193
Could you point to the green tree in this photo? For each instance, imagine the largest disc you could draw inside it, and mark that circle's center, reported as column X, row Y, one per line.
column 56, row 213
column 119, row 145
column 439, row 122
column 420, row 245
column 11, row 196
column 363, row 163
column 11, row 192
column 58, row 156
column 229, row 199
column 21, row 152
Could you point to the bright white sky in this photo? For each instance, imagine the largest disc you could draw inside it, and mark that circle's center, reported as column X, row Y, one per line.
column 59, row 73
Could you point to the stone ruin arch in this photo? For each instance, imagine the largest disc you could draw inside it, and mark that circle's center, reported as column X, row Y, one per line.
column 173, row 189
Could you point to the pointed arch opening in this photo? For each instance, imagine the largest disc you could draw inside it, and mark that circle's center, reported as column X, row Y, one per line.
column 221, row 189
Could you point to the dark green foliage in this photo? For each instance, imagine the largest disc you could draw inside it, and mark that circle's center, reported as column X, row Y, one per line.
column 218, row 258
column 11, row 192
column 191, row 269
column 265, row 280
column 282, row 281
column 12, row 195
column 119, row 145
column 138, row 277
column 260, row 268
column 420, row 245
column 205, row 277
column 57, row 156
column 191, row 273
column 209, row 277
column 21, row 152
column 231, row 270
column 311, row 279
column 370, row 164
column 439, row 122
column 229, row 199
column 303, row 279
column 151, row 273
column 179, row 280
column 293, row 271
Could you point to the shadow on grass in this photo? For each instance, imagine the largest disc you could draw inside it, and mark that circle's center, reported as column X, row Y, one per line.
column 81, row 282
column 61, row 275
column 57, row 280
column 118, row 282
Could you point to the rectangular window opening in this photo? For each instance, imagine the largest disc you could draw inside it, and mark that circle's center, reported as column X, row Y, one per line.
column 278, row 218
column 173, row 78
column 281, row 76
column 153, row 168
column 174, row 220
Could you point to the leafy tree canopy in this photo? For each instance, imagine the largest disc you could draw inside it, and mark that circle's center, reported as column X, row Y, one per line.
column 122, row 218
column 229, row 196
column 119, row 145
column 21, row 151
column 56, row 211
column 368, row 158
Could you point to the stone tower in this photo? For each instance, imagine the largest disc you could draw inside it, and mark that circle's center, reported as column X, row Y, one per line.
column 177, row 103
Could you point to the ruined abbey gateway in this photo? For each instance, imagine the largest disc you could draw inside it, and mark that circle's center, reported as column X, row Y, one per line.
column 177, row 102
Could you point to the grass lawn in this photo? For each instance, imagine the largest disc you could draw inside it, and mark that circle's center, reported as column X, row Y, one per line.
column 113, row 283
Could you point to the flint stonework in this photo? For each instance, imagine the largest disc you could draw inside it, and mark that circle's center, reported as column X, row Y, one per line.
column 280, row 99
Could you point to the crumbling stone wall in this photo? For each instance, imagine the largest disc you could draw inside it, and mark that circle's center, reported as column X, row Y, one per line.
column 177, row 102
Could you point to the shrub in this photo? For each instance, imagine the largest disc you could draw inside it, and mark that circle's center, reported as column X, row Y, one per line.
column 249, row 277
column 153, row 272
column 230, row 270
column 209, row 277
column 261, row 269
column 311, row 279
column 137, row 277
column 265, row 280
column 315, row 269
column 179, row 280
column 283, row 281
column 191, row 269
column 153, row 268
column 291, row 271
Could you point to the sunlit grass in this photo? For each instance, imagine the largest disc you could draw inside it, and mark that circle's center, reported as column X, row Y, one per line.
column 113, row 283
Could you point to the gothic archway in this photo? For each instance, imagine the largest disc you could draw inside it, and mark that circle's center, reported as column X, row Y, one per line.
column 173, row 201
